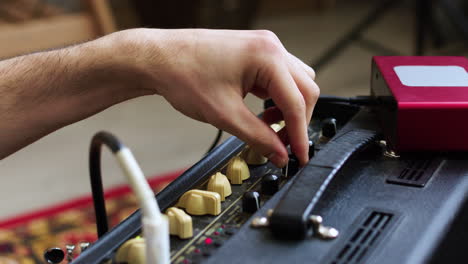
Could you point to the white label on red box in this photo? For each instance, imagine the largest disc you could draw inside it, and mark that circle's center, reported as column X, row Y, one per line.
column 432, row 76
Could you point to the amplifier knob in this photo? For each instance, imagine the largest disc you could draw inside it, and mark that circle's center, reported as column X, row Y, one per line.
column 311, row 149
column 237, row 170
column 329, row 127
column 132, row 251
column 198, row 202
column 54, row 255
column 250, row 202
column 270, row 184
column 251, row 157
column 180, row 223
column 219, row 183
column 292, row 167
column 278, row 126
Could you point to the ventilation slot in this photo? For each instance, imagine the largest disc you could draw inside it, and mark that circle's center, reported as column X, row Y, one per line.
column 416, row 172
column 364, row 238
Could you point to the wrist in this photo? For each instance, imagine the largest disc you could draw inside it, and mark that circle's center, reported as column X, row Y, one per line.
column 107, row 64
column 153, row 58
column 136, row 57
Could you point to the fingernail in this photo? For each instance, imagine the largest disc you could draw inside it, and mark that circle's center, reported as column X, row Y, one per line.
column 277, row 160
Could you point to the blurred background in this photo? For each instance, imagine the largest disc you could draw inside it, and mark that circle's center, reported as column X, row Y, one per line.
column 337, row 37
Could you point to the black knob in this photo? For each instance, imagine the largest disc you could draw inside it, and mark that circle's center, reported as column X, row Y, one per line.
column 268, row 103
column 270, row 184
column 311, row 149
column 250, row 202
column 329, row 127
column 54, row 255
column 293, row 166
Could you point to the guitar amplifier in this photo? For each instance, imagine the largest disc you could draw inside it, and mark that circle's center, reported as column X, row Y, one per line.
column 364, row 206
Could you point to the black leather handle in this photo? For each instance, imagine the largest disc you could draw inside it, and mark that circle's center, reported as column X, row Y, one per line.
column 290, row 217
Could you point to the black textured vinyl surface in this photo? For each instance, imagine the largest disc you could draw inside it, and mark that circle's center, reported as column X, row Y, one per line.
column 290, row 216
column 420, row 227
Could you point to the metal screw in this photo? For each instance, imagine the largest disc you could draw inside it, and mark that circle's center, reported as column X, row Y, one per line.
column 258, row 222
column 391, row 154
column 84, row 246
column 388, row 152
column 269, row 212
column 323, row 232
column 70, row 248
column 383, row 143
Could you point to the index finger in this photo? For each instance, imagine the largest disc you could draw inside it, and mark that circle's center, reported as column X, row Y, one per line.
column 287, row 97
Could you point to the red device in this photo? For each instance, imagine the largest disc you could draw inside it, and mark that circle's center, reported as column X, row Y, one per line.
column 424, row 102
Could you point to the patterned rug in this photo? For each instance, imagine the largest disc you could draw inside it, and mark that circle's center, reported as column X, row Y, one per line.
column 24, row 239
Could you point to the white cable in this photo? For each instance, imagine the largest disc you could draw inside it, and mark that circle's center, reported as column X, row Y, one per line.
column 155, row 226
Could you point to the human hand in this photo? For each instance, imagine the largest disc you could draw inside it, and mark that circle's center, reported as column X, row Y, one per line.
column 205, row 74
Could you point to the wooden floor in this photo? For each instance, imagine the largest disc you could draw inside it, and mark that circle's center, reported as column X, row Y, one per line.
column 55, row 168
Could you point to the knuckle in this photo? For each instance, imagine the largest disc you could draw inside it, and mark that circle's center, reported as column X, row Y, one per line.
column 265, row 44
column 311, row 94
column 267, row 34
column 316, row 91
column 312, row 73
column 309, row 97
column 301, row 105
column 261, row 141
column 298, row 108
column 258, row 139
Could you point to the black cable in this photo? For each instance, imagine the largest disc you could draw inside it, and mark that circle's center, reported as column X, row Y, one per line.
column 358, row 100
column 215, row 141
column 99, row 139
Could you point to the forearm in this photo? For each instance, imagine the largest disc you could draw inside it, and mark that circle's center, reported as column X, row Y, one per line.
column 42, row 92
column 205, row 74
